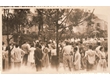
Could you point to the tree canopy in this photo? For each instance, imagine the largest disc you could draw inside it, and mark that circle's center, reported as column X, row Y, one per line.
column 65, row 19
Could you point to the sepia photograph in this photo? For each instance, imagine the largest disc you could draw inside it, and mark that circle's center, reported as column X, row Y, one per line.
column 54, row 40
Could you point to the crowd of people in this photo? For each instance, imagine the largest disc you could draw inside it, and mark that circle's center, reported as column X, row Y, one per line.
column 74, row 54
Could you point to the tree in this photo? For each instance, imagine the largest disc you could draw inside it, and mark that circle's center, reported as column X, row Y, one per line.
column 21, row 18
column 52, row 18
column 12, row 23
column 6, row 20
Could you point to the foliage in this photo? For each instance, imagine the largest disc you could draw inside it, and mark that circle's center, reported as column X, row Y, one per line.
column 50, row 18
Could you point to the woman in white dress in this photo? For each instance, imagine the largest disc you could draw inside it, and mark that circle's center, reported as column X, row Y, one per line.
column 54, row 59
column 102, row 61
column 31, row 55
column 77, row 59
column 45, row 59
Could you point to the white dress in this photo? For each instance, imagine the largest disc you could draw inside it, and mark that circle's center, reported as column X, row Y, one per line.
column 102, row 61
column 31, row 55
column 77, row 62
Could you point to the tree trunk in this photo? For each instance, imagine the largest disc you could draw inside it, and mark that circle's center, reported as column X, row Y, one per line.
column 9, row 52
column 57, row 40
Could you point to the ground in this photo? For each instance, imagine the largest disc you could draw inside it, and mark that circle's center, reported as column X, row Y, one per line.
column 30, row 70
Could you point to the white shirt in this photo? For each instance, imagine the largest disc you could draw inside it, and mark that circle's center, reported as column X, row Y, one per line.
column 67, row 49
column 17, row 54
column 98, row 50
column 102, row 54
column 90, row 54
column 53, row 52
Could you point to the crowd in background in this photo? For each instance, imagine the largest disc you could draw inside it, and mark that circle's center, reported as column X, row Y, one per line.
column 74, row 54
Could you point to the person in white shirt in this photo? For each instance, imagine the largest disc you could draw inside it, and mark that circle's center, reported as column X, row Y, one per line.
column 45, row 59
column 90, row 56
column 54, row 58
column 98, row 51
column 25, row 47
column 102, row 61
column 17, row 56
column 31, row 55
column 67, row 56
column 77, row 59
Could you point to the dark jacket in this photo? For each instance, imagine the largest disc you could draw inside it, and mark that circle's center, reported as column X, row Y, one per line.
column 38, row 55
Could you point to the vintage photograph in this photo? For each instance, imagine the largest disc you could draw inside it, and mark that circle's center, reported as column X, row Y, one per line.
column 54, row 40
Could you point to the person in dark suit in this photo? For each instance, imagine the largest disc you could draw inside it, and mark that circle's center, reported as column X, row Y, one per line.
column 38, row 57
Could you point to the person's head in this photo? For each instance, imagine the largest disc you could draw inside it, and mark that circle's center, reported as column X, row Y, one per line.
column 101, row 48
column 53, row 46
column 70, row 43
column 98, row 43
column 16, row 45
column 47, row 46
column 32, row 45
column 81, row 42
column 77, row 44
column 40, row 46
column 90, row 46
column 3, row 43
column 7, row 48
column 75, row 49
column 11, row 44
column 67, row 43
column 37, row 45
column 25, row 42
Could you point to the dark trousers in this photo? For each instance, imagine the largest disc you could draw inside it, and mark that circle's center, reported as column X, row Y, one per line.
column 17, row 64
column 38, row 65
column 49, row 54
column 25, row 59
column 54, row 62
column 3, row 64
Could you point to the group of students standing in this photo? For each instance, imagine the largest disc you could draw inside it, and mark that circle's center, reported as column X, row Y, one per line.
column 33, row 55
column 80, row 56
column 75, row 56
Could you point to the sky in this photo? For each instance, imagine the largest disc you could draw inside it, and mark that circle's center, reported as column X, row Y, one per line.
column 101, row 12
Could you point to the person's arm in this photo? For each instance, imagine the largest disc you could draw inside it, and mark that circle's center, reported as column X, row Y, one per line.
column 63, row 51
column 44, row 54
column 97, row 54
column 12, row 51
column 22, row 52
column 28, row 48
column 13, row 54
column 86, row 54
